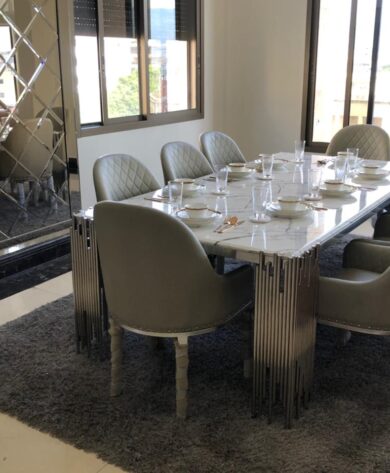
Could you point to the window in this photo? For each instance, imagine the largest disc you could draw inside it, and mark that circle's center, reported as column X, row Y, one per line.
column 7, row 82
column 138, row 62
column 349, row 67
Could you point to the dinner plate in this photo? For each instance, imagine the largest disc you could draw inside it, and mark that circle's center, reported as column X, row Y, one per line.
column 343, row 191
column 274, row 209
column 198, row 221
column 375, row 176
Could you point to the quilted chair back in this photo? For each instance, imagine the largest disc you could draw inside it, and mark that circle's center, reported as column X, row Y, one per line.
column 181, row 159
column 120, row 176
column 372, row 141
column 220, row 148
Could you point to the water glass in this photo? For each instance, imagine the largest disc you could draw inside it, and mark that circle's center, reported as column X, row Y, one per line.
column 299, row 150
column 267, row 162
column 353, row 154
column 340, row 166
column 175, row 194
column 260, row 200
column 314, row 183
column 221, row 176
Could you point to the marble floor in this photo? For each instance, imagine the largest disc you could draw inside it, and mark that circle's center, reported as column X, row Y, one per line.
column 41, row 452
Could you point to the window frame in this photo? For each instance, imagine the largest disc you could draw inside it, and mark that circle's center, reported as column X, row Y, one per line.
column 144, row 120
column 311, row 48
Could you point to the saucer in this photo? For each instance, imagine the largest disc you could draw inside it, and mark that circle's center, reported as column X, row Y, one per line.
column 379, row 174
column 240, row 174
column 345, row 190
column 264, row 219
column 198, row 221
column 274, row 209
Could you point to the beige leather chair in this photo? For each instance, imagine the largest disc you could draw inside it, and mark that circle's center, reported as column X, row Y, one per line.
column 372, row 141
column 27, row 155
column 181, row 159
column 120, row 176
column 220, row 148
column 158, row 282
column 359, row 298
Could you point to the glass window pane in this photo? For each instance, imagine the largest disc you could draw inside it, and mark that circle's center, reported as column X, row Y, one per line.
column 172, row 80
column 382, row 90
column 7, row 83
column 331, row 75
column 365, row 24
column 121, row 58
column 87, row 63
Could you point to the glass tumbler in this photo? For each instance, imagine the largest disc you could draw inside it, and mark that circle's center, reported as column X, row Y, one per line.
column 267, row 162
column 260, row 200
column 221, row 177
column 175, row 194
column 314, row 183
column 352, row 164
column 340, row 166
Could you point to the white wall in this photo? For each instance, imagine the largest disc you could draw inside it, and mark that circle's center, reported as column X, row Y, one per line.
column 254, row 60
column 146, row 143
column 265, row 48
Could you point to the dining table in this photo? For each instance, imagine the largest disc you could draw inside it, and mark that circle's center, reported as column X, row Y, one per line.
column 285, row 255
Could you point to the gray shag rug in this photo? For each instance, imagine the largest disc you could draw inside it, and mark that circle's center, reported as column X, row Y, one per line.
column 45, row 384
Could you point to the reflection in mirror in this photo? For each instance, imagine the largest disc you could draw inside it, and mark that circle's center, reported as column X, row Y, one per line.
column 34, row 182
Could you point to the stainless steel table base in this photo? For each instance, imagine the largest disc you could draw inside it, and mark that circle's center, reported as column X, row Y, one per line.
column 284, row 333
column 90, row 307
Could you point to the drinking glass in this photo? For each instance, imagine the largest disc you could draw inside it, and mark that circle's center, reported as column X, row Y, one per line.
column 221, row 176
column 299, row 150
column 267, row 162
column 352, row 163
column 260, row 200
column 175, row 194
column 314, row 183
column 340, row 165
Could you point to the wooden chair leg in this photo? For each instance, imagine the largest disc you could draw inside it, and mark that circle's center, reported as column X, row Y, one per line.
column 116, row 332
column 181, row 349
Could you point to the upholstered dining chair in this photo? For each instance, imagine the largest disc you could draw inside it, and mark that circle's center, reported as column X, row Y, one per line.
column 120, row 176
column 158, row 282
column 27, row 155
column 358, row 299
column 180, row 159
column 220, row 148
column 372, row 141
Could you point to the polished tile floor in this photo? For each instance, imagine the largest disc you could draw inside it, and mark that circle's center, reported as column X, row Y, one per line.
column 41, row 452
column 23, row 449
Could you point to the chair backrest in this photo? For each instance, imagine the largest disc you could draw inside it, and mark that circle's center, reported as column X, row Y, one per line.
column 120, row 176
column 220, row 148
column 30, row 144
column 181, row 159
column 157, row 277
column 372, row 141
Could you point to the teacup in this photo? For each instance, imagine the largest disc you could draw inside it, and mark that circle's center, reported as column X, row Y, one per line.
column 370, row 168
column 289, row 202
column 187, row 183
column 238, row 167
column 333, row 184
column 196, row 210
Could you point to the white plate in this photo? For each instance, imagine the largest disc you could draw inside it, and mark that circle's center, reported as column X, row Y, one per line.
column 375, row 176
column 196, row 222
column 343, row 191
column 240, row 174
column 274, row 209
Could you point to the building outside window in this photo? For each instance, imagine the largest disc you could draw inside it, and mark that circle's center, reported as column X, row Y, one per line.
column 137, row 61
column 349, row 67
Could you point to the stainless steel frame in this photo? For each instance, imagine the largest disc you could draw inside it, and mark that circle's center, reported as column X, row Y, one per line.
column 284, row 333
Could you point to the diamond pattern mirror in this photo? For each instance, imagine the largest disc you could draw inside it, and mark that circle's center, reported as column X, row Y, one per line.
column 34, row 182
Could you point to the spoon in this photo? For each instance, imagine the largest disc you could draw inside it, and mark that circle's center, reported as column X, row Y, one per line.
column 227, row 223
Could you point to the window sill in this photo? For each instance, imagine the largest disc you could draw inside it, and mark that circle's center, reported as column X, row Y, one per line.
column 163, row 119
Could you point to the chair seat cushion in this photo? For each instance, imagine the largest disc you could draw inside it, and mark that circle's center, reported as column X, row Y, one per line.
column 358, row 275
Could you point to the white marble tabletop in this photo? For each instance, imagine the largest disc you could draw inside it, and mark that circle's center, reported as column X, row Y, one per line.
column 284, row 236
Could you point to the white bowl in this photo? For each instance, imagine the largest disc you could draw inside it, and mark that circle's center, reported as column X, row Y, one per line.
column 289, row 202
column 333, row 184
column 370, row 168
column 238, row 167
column 197, row 210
